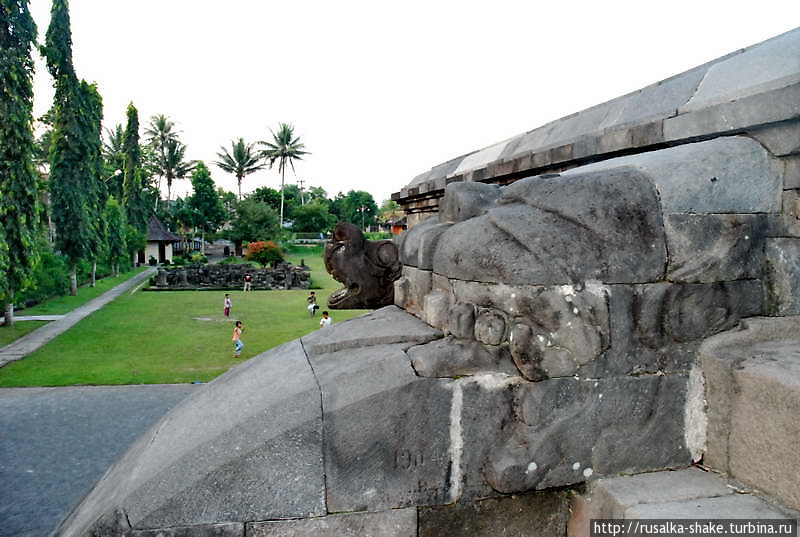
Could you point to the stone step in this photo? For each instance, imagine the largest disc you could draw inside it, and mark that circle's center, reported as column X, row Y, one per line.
column 682, row 494
column 752, row 391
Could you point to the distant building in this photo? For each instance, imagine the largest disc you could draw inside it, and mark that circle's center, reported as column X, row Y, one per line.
column 159, row 242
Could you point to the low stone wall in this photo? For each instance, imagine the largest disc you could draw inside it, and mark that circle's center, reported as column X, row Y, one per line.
column 283, row 276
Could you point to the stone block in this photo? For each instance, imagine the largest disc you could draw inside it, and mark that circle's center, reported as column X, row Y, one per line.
column 394, row 523
column 715, row 247
column 419, row 243
column 450, row 357
column 780, row 139
column 724, row 175
column 771, row 106
column 753, row 393
column 559, row 230
column 386, row 430
column 463, row 201
column 551, row 331
column 791, row 213
column 658, row 327
column 205, row 530
column 413, row 286
column 569, row 430
column 437, row 309
column 482, row 405
column 791, row 172
column 382, row 327
column 721, row 508
column 530, row 515
column 612, row 497
column 757, row 69
column 220, row 456
column 783, row 276
column 490, row 327
column 461, row 322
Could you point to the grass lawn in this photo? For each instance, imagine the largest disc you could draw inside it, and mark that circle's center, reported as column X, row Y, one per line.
column 172, row 336
column 11, row 333
column 64, row 304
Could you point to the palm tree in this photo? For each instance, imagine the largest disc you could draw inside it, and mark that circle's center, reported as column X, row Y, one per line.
column 171, row 165
column 242, row 160
column 158, row 134
column 114, row 156
column 284, row 148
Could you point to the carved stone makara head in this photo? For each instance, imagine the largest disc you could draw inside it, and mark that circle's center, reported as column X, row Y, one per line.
column 367, row 269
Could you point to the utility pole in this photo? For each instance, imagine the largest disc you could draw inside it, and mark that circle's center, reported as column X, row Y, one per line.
column 300, row 183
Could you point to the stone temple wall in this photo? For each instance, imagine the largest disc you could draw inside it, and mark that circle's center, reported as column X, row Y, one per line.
column 222, row 277
column 546, row 335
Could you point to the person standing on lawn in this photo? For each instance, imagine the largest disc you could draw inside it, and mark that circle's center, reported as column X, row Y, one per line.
column 228, row 305
column 325, row 321
column 312, row 303
column 248, row 282
column 238, row 344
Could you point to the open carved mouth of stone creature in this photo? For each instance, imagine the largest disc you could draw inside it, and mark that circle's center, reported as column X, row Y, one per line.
column 342, row 294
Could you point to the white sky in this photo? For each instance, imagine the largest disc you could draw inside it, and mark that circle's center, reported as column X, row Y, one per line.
column 382, row 91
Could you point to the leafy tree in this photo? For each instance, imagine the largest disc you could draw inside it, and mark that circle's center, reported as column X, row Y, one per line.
column 267, row 195
column 134, row 178
column 317, row 193
column 205, row 204
column 357, row 207
column 254, row 221
column 117, row 247
column 71, row 165
column 313, row 217
column 390, row 211
column 96, row 187
column 265, row 253
column 242, row 160
column 18, row 190
column 284, row 149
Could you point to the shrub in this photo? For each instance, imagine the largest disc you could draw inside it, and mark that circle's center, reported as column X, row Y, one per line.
column 264, row 252
column 152, row 261
column 377, row 235
column 198, row 259
column 178, row 261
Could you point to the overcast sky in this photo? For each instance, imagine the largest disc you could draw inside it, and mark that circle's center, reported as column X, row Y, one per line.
column 382, row 91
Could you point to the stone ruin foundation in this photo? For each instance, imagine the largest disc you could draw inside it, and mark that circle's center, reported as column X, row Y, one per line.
column 230, row 277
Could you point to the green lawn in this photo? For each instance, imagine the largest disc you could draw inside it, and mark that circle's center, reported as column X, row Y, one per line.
column 11, row 333
column 171, row 337
column 64, row 304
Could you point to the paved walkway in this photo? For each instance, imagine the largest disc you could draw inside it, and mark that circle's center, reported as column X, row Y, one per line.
column 27, row 344
column 55, row 443
column 18, row 318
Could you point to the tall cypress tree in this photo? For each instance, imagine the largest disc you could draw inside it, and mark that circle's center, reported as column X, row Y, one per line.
column 18, row 192
column 97, row 192
column 133, row 196
column 115, row 219
column 70, row 160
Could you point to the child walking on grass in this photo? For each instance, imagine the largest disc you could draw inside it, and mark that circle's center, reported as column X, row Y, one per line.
column 228, row 305
column 238, row 345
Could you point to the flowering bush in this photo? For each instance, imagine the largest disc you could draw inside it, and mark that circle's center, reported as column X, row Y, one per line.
column 264, row 252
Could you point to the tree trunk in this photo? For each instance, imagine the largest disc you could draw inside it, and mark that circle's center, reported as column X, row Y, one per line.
column 94, row 273
column 203, row 241
column 169, row 188
column 239, row 180
column 238, row 248
column 283, row 171
column 9, row 314
column 73, row 280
